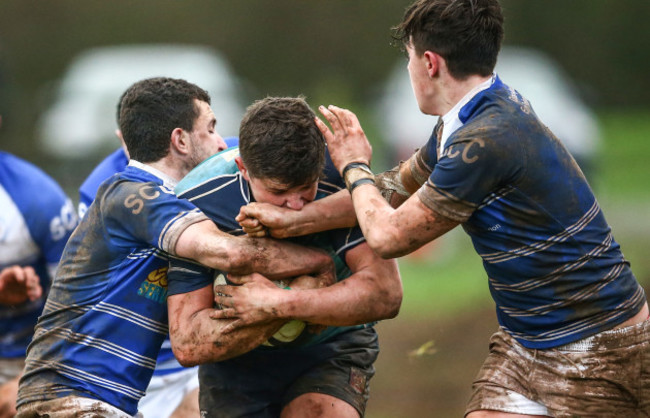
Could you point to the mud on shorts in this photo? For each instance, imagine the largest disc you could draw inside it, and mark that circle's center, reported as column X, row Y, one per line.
column 260, row 383
column 71, row 406
column 605, row 375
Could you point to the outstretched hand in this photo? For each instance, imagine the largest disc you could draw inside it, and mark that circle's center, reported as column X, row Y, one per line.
column 346, row 141
column 18, row 284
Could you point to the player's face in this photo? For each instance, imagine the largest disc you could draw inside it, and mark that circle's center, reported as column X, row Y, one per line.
column 275, row 193
column 204, row 137
column 419, row 76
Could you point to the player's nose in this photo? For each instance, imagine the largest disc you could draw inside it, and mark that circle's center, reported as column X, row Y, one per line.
column 221, row 144
column 295, row 202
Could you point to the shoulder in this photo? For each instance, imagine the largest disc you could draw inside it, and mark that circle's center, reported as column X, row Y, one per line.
column 114, row 163
column 217, row 166
column 25, row 181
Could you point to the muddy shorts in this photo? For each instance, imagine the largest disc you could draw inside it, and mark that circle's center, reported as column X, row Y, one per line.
column 605, row 375
column 71, row 406
column 260, row 383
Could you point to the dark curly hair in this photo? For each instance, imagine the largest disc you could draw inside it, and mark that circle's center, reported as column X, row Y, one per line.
column 466, row 33
column 151, row 109
column 279, row 139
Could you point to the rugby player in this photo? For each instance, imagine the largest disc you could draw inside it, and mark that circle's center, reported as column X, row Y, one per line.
column 574, row 335
column 173, row 390
column 322, row 374
column 36, row 221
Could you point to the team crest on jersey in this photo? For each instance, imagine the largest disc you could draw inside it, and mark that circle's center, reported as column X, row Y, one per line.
column 155, row 286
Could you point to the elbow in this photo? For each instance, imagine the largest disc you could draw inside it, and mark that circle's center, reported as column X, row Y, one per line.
column 385, row 244
column 185, row 356
column 394, row 305
column 189, row 355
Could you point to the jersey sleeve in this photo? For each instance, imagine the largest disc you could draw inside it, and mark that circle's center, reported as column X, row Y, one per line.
column 185, row 276
column 137, row 212
column 476, row 164
column 345, row 239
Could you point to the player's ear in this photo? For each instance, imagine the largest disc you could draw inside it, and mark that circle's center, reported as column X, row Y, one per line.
column 433, row 62
column 118, row 133
column 242, row 168
column 180, row 141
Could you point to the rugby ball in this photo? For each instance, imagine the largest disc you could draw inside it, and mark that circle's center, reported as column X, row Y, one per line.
column 289, row 331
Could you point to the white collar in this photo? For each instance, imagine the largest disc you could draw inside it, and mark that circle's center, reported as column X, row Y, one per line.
column 451, row 120
column 168, row 181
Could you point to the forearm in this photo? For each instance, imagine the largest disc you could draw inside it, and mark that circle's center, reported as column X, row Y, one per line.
column 393, row 233
column 198, row 339
column 204, row 243
column 370, row 295
column 332, row 212
column 375, row 214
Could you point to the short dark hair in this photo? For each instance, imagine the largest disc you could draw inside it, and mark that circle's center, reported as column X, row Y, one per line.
column 151, row 109
column 279, row 140
column 466, row 33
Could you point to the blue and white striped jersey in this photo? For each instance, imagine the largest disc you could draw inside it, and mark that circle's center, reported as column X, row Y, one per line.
column 106, row 315
column 555, row 271
column 36, row 221
column 116, row 162
column 217, row 187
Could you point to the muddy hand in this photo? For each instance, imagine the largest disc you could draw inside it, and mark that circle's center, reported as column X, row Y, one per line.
column 346, row 141
column 253, row 299
column 263, row 219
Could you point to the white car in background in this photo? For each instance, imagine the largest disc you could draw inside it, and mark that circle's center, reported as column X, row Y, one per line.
column 81, row 122
column 531, row 72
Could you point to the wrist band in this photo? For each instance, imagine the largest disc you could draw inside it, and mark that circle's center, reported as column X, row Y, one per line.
column 364, row 180
column 362, row 166
column 354, row 172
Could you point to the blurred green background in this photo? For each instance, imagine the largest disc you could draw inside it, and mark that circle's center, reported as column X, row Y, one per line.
column 339, row 52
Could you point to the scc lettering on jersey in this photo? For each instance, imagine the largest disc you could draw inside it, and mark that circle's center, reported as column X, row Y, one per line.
column 467, row 156
column 155, row 286
column 64, row 222
column 147, row 192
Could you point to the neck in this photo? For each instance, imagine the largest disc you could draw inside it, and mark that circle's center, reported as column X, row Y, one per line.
column 172, row 169
column 454, row 90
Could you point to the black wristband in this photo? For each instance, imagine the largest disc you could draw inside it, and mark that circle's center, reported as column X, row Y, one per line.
column 362, row 166
column 365, row 180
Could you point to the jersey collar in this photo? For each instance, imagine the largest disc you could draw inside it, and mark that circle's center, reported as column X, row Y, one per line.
column 167, row 181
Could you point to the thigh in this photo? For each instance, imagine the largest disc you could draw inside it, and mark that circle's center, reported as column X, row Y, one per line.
column 343, row 374
column 318, row 405
column 260, row 383
column 604, row 375
column 503, row 382
column 248, row 385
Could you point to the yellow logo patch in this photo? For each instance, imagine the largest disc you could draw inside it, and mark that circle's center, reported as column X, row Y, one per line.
column 155, row 287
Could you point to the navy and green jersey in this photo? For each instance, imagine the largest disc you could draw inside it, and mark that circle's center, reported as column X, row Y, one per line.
column 217, row 187
column 555, row 271
column 106, row 315
column 36, row 221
